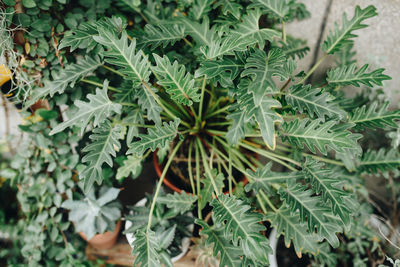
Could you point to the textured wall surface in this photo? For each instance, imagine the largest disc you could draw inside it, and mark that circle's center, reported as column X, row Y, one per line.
column 377, row 45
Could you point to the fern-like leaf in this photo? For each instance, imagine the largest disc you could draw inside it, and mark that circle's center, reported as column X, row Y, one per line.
column 67, row 77
column 315, row 101
column 148, row 104
column 294, row 48
column 180, row 202
column 104, row 142
column 327, row 185
column 266, row 118
column 294, row 231
column 200, row 8
column 99, row 107
column 262, row 179
column 81, row 37
column 229, row 7
column 146, row 249
column 242, row 226
column 348, row 75
column 381, row 160
column 374, row 116
column 319, row 136
column 229, row 255
column 122, row 53
column 132, row 167
column 207, row 190
column 310, row 209
column 161, row 35
column 200, row 32
column 236, row 131
column 178, row 83
column 156, row 137
column 223, row 71
column 247, row 33
column 262, row 68
column 275, row 8
column 342, row 35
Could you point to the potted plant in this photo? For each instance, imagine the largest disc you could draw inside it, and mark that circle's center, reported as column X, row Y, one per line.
column 97, row 219
column 209, row 88
column 172, row 228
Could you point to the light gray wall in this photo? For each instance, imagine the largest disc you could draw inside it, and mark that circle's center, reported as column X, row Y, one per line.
column 377, row 45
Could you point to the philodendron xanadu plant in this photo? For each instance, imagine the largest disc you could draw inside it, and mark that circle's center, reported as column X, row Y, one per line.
column 217, row 80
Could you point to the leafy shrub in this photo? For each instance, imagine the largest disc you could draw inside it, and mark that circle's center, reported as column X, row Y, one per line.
column 217, row 82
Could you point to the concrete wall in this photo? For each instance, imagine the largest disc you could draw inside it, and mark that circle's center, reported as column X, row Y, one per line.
column 377, row 45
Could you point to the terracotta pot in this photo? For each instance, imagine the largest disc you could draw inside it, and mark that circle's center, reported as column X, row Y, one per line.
column 104, row 241
column 159, row 169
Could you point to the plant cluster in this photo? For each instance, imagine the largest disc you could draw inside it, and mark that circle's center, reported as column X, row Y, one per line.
column 217, row 82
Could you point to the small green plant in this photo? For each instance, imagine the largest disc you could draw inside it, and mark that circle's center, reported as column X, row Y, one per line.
column 95, row 215
column 214, row 84
column 169, row 224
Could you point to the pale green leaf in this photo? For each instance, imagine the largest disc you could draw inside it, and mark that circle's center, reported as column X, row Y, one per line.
column 229, row 255
column 67, row 77
column 132, row 167
column 341, row 36
column 316, row 102
column 374, row 116
column 156, row 137
column 180, row 202
column 310, row 209
column 349, row 75
column 161, row 35
column 99, row 107
column 262, row 179
column 146, row 249
column 178, row 83
column 104, row 143
column 276, row 8
column 242, row 226
column 319, row 136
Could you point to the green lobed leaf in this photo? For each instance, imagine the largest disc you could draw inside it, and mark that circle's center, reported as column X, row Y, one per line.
column 266, row 118
column 132, row 167
column 229, row 7
column 229, row 255
column 148, row 104
column 122, row 53
column 146, row 249
column 261, row 179
column 294, row 231
column 242, row 226
column 381, row 160
column 67, row 77
column 261, row 68
column 161, row 35
column 294, row 48
column 104, row 142
column 300, row 201
column 180, row 202
column 99, row 107
column 348, row 75
column 318, row 136
column 374, row 116
column 178, row 83
column 223, row 71
column 200, row 8
column 246, row 33
column 276, row 8
column 200, row 32
column 236, row 131
column 341, row 36
column 330, row 187
column 316, row 102
column 156, row 137
column 206, row 192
